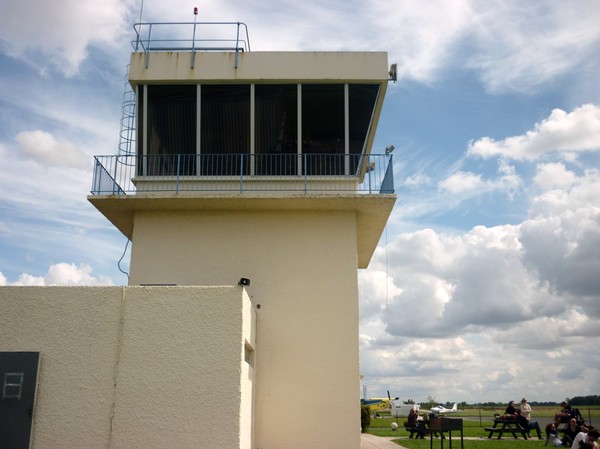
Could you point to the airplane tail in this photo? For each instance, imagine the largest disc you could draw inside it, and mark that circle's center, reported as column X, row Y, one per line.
column 454, row 408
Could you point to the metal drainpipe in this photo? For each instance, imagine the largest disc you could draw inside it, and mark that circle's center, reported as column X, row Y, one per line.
column 178, row 169
column 305, row 173
column 241, row 172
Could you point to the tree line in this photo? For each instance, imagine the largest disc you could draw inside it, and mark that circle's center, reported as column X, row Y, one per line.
column 574, row 401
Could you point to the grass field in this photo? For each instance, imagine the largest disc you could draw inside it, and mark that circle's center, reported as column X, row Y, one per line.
column 474, row 421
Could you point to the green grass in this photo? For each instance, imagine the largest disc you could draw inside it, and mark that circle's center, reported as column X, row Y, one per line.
column 473, row 444
column 474, row 421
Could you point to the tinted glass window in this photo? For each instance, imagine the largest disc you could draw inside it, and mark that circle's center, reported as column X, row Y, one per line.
column 276, row 128
column 171, row 129
column 225, row 119
column 362, row 99
column 323, row 128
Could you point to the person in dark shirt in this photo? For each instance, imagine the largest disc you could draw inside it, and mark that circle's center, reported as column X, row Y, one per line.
column 570, row 432
column 414, row 422
column 511, row 409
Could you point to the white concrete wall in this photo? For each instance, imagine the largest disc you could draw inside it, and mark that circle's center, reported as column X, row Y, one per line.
column 127, row 367
column 302, row 267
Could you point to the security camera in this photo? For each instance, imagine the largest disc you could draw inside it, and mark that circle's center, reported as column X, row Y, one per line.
column 244, row 282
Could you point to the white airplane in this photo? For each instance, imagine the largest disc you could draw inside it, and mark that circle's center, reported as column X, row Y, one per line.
column 402, row 410
column 441, row 410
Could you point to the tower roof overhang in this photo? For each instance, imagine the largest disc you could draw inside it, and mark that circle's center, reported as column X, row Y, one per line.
column 372, row 211
column 273, row 66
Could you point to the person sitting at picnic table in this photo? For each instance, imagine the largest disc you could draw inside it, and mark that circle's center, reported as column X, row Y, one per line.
column 511, row 411
column 570, row 433
column 525, row 411
column 413, row 422
column 528, row 425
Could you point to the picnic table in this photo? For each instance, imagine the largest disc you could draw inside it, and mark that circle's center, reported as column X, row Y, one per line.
column 502, row 426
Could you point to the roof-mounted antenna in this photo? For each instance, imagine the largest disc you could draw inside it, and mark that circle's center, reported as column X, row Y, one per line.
column 194, row 37
column 141, row 11
column 140, row 30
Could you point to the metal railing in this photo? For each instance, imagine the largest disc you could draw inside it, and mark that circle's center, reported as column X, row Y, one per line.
column 213, row 173
column 190, row 36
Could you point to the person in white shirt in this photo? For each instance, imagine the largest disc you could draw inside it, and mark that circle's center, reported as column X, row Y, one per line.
column 583, row 437
column 525, row 409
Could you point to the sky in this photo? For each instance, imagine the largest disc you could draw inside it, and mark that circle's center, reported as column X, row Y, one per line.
column 486, row 283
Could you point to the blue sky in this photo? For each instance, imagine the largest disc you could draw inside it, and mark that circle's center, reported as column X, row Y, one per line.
column 485, row 285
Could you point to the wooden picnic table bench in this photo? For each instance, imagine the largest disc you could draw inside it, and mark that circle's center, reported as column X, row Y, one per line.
column 502, row 426
column 414, row 430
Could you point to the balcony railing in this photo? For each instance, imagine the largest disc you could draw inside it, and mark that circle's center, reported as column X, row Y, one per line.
column 191, row 37
column 214, row 173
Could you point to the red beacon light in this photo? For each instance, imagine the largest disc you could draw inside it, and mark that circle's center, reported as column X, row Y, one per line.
column 196, row 11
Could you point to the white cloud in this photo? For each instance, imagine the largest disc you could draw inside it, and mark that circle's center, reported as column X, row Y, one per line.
column 522, row 45
column 412, row 32
column 514, row 46
column 553, row 175
column 562, row 132
column 462, row 182
column 62, row 30
column 60, row 274
column 45, row 149
column 417, row 180
column 561, row 240
column 465, row 183
column 530, row 288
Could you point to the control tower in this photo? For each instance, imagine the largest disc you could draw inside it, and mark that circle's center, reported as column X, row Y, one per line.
column 258, row 168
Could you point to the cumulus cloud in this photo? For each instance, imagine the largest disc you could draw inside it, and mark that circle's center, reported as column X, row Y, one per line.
column 530, row 288
column 499, row 275
column 465, row 183
column 553, row 176
column 60, row 274
column 562, row 133
column 44, row 148
column 561, row 240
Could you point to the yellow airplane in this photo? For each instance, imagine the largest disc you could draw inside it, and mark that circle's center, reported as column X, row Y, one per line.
column 377, row 404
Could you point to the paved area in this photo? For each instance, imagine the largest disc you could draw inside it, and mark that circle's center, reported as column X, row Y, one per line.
column 368, row 441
